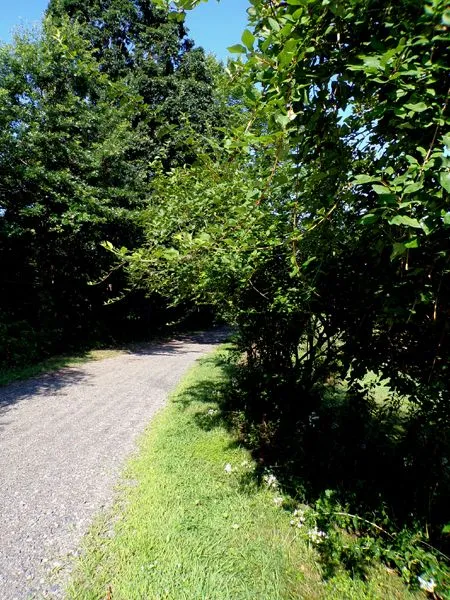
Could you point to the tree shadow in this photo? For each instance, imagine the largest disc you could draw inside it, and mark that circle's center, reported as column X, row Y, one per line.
column 59, row 377
column 52, row 383
column 386, row 464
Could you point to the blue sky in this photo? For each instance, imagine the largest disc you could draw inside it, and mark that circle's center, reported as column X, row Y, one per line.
column 213, row 25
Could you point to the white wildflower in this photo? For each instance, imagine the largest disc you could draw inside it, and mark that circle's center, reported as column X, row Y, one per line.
column 228, row 468
column 427, row 585
column 316, row 536
column 235, row 526
column 270, row 480
column 212, row 411
column 299, row 520
column 278, row 500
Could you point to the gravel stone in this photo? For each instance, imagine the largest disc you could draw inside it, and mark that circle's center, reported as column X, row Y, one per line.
column 64, row 437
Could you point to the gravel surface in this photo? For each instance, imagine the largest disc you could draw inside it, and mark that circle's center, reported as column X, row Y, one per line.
column 64, row 438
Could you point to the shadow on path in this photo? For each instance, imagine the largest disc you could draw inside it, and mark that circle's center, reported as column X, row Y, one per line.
column 54, row 382
column 47, row 384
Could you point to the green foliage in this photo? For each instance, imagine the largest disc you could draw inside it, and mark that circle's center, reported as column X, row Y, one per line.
column 65, row 133
column 353, row 543
column 147, row 46
column 198, row 525
column 320, row 228
column 85, row 107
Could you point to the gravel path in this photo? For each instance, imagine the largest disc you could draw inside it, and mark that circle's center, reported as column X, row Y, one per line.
column 64, row 438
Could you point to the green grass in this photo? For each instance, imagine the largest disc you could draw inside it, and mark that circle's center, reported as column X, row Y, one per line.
column 53, row 364
column 185, row 529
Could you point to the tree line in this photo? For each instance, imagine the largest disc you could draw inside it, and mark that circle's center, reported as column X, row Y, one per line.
column 91, row 105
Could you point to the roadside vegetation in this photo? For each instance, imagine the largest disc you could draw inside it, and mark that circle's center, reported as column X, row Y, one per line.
column 319, row 229
column 197, row 517
column 81, row 127
column 301, row 194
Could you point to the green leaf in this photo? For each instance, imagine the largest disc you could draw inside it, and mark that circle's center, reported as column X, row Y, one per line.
column 414, row 243
column 369, row 219
column 309, row 261
column 170, row 253
column 446, row 218
column 418, row 107
column 108, row 246
column 372, row 62
column 285, row 57
column 405, row 220
column 425, row 228
column 203, row 238
column 290, row 46
column 446, row 529
column 248, row 39
column 397, row 250
column 381, row 189
column 413, row 187
column 274, row 24
column 282, row 120
column 361, row 179
column 444, row 179
column 237, row 49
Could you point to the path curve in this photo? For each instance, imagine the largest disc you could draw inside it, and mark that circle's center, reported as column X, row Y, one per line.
column 64, row 438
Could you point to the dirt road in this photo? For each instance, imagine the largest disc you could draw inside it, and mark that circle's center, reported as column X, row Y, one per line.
column 64, row 438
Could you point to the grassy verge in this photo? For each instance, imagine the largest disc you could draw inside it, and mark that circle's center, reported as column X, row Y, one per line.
column 191, row 522
column 53, row 364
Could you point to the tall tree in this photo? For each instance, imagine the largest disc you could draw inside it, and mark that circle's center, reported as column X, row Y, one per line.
column 90, row 109
column 147, row 46
column 66, row 131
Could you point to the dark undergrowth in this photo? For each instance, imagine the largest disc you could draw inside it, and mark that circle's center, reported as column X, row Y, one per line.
column 372, row 469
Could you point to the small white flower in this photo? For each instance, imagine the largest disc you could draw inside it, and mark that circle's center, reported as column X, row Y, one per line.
column 427, row 585
column 228, row 468
column 299, row 515
column 278, row 500
column 271, row 480
column 316, row 536
column 235, row 526
column 212, row 411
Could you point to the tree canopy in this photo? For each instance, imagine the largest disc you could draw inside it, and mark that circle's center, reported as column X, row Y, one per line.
column 83, row 120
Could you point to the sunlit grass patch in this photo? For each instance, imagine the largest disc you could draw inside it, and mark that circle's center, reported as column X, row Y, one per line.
column 195, row 524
